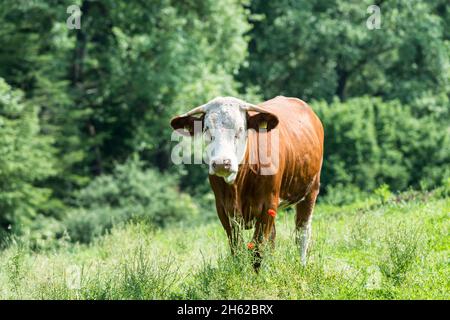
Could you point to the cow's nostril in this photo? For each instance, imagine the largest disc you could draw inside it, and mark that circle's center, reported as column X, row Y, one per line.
column 227, row 165
column 221, row 165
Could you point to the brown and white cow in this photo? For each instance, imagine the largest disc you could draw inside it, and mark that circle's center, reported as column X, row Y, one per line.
column 249, row 191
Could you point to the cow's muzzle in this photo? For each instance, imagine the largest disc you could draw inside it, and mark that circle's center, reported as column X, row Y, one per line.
column 221, row 167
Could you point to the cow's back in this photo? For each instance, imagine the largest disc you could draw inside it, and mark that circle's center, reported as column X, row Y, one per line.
column 300, row 145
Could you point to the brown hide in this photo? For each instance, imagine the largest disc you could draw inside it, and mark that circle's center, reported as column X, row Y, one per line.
column 300, row 159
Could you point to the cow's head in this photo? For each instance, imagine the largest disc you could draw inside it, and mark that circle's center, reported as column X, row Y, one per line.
column 225, row 121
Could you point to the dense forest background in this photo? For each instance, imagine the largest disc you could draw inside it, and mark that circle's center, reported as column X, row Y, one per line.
column 84, row 113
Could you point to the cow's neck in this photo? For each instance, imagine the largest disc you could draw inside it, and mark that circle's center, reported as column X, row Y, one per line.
column 231, row 195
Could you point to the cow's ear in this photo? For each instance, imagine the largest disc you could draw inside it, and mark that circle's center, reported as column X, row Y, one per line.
column 261, row 121
column 187, row 125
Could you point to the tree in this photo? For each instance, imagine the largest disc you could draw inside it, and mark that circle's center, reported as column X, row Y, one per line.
column 110, row 88
column 36, row 50
column 26, row 159
column 143, row 62
column 321, row 49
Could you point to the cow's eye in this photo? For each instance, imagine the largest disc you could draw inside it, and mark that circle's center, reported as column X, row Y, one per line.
column 208, row 136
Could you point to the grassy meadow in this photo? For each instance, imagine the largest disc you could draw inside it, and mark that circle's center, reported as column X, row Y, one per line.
column 371, row 249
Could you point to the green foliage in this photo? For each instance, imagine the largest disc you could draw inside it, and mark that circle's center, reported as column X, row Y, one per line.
column 36, row 56
column 402, row 249
column 445, row 188
column 45, row 233
column 369, row 142
column 322, row 49
column 383, row 193
column 129, row 193
column 110, row 88
column 143, row 62
column 340, row 194
column 26, row 159
column 14, row 267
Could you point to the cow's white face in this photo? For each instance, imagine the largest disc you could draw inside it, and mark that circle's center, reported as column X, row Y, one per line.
column 225, row 124
column 225, row 128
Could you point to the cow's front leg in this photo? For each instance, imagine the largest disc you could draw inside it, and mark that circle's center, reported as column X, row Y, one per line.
column 233, row 229
column 264, row 232
column 235, row 238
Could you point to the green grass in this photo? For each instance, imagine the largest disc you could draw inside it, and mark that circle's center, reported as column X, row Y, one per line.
column 396, row 250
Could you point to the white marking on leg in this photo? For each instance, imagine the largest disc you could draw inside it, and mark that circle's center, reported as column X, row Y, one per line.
column 303, row 238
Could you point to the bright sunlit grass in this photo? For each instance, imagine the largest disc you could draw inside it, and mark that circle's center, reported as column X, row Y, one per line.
column 398, row 250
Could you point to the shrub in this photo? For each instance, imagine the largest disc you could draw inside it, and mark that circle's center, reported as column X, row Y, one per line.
column 341, row 195
column 401, row 252
column 443, row 190
column 383, row 193
column 369, row 142
column 45, row 233
column 129, row 193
